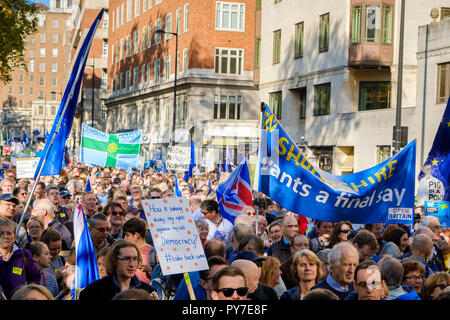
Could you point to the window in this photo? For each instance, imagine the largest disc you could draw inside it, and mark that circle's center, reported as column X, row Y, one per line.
column 104, row 78
column 31, row 53
column 136, row 42
column 42, row 52
column 298, row 53
column 372, row 23
column 230, row 16
column 185, row 60
column 186, row 17
column 229, row 61
column 21, row 91
column 178, row 23
column 137, row 9
column 135, row 76
column 374, row 95
column 181, row 107
column 167, row 108
column 302, row 103
column 227, row 107
column 443, row 82
column 128, row 10
column 54, row 82
column 121, row 81
column 157, row 70
column 21, row 78
column 117, row 19
column 275, row 103
column 158, row 2
column 105, row 23
column 128, row 44
column 383, row 153
column 42, row 67
column 276, row 47
column 116, row 52
column 150, row 5
column 31, row 78
column 157, row 113
column 127, row 79
column 121, row 49
column 168, row 26
column 55, row 38
column 105, row 49
column 54, row 52
column 41, row 110
column 144, row 37
column 31, row 91
column 54, row 67
column 445, row 13
column 324, row 36
column 31, row 66
column 257, row 52
column 166, row 67
column 143, row 73
column 105, row 111
column 322, row 98
column 149, row 36
column 148, row 72
column 178, row 63
column 55, row 23
column 122, row 14
column 53, row 96
column 387, row 24
column 42, row 37
column 158, row 35
column 356, row 24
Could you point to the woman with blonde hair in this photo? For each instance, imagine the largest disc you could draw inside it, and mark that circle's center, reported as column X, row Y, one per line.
column 307, row 268
column 435, row 284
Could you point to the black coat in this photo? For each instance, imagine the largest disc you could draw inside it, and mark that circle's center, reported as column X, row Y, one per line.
column 106, row 289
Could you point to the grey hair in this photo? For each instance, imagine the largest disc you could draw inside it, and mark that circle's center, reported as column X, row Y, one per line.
column 8, row 222
column 390, row 249
column 425, row 221
column 393, row 271
column 240, row 230
column 335, row 254
column 97, row 217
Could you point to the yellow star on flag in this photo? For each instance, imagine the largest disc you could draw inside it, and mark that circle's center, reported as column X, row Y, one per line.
column 435, row 162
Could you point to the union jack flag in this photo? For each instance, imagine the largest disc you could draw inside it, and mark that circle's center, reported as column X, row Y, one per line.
column 235, row 193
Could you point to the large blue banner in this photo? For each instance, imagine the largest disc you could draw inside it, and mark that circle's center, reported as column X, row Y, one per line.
column 383, row 193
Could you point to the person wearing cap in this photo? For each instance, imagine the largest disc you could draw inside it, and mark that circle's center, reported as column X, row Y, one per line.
column 116, row 182
column 62, row 214
column 8, row 205
column 247, row 261
column 64, row 198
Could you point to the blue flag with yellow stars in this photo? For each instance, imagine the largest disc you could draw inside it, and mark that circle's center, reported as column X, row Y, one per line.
column 54, row 145
column 439, row 156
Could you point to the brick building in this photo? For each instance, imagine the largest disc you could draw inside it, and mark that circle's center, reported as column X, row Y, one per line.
column 217, row 100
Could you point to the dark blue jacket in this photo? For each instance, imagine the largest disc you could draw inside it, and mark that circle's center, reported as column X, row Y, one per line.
column 342, row 295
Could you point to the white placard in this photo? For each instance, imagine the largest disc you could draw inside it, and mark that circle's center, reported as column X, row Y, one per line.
column 178, row 158
column 26, row 167
column 175, row 236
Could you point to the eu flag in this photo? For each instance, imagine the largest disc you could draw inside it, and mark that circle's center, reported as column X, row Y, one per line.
column 192, row 165
column 54, row 146
column 177, row 188
column 438, row 161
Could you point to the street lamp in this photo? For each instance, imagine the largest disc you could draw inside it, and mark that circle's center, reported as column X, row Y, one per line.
column 159, row 31
column 398, row 114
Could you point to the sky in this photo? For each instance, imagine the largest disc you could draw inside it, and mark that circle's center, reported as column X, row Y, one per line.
column 46, row 2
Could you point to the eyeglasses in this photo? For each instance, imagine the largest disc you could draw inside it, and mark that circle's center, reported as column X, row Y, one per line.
column 414, row 278
column 370, row 286
column 345, row 231
column 228, row 292
column 117, row 213
column 102, row 230
column 9, row 204
column 442, row 286
column 129, row 259
column 157, row 197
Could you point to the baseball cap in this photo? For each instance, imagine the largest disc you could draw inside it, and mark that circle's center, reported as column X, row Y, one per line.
column 64, row 193
column 249, row 255
column 116, row 180
column 9, row 197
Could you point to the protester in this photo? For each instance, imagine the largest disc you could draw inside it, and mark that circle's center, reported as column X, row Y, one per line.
column 16, row 264
column 435, row 284
column 42, row 258
column 274, row 231
column 299, row 242
column 35, row 228
column 414, row 275
column 116, row 216
column 100, row 228
column 369, row 282
column 101, row 255
column 341, row 231
column 229, row 283
column 219, row 227
column 122, row 262
column 32, row 291
column 215, row 263
column 8, row 204
column 307, row 268
column 400, row 237
column 322, row 239
column 366, row 244
column 270, row 272
column 282, row 249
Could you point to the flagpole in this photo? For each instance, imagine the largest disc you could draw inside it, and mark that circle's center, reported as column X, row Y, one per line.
column 258, row 167
column 58, row 127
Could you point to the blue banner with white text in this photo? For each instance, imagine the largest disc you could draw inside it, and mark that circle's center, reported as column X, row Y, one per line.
column 381, row 194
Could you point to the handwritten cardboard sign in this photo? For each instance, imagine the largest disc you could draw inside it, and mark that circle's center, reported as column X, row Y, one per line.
column 26, row 167
column 178, row 158
column 175, row 235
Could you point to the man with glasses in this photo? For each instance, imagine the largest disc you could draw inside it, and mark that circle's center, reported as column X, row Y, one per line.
column 100, row 228
column 155, row 193
column 229, row 284
column 369, row 282
column 282, row 249
column 121, row 263
column 8, row 205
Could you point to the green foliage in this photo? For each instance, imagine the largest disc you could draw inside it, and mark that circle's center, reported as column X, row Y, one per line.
column 18, row 21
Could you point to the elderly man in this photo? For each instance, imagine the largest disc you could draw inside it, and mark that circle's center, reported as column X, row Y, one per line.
column 89, row 203
column 282, row 249
column 368, row 282
column 46, row 211
column 393, row 272
column 343, row 260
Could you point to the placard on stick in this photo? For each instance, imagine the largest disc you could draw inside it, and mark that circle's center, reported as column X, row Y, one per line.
column 175, row 235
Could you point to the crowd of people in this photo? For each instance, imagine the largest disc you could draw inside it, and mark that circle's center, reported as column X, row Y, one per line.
column 266, row 254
